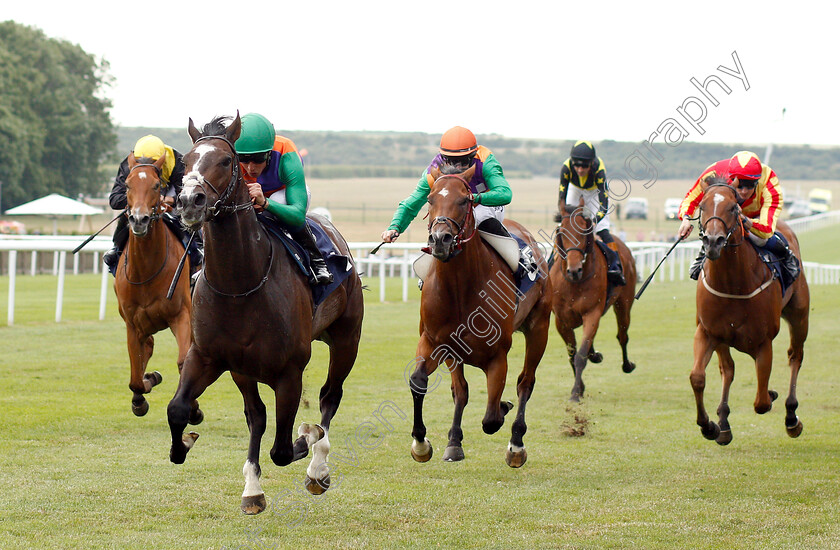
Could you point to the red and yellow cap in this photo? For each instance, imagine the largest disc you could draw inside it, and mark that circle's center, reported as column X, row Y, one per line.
column 458, row 142
column 745, row 165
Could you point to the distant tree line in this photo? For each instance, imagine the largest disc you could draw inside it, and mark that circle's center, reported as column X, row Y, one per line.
column 396, row 154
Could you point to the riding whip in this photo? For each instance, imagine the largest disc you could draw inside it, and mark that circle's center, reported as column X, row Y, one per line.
column 652, row 273
column 375, row 250
column 97, row 233
column 180, row 268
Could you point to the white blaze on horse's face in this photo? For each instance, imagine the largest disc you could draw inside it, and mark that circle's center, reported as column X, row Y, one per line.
column 444, row 192
column 195, row 177
column 142, row 175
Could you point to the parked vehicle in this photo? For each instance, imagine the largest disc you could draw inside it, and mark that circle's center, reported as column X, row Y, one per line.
column 798, row 208
column 636, row 207
column 672, row 208
column 819, row 200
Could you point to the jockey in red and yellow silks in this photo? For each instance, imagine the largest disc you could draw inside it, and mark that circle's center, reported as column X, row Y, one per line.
column 759, row 195
column 763, row 206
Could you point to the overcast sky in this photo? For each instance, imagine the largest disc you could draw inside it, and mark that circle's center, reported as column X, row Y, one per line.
column 551, row 69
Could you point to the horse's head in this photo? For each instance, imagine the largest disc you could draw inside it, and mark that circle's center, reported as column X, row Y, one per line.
column 574, row 237
column 143, row 189
column 450, row 211
column 211, row 172
column 719, row 215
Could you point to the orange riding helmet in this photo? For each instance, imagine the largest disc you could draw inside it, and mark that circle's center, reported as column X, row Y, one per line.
column 458, row 142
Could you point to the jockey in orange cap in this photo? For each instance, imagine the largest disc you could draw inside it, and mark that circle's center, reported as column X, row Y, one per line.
column 761, row 202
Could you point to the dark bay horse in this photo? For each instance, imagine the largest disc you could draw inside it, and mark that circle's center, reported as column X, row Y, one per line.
column 469, row 310
column 142, row 280
column 254, row 315
column 739, row 305
column 579, row 279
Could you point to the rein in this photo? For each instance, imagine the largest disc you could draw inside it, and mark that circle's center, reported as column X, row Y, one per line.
column 218, row 207
column 459, row 235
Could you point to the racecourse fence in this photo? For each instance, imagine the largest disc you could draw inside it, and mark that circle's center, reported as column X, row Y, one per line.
column 32, row 255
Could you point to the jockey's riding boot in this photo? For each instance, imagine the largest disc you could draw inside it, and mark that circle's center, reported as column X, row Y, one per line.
column 321, row 275
column 697, row 266
column 120, row 239
column 777, row 245
column 614, row 271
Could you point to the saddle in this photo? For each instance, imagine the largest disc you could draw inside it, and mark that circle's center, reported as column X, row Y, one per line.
column 776, row 265
column 339, row 265
column 510, row 249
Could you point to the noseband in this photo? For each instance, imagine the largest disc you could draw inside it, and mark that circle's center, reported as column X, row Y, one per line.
column 729, row 230
column 219, row 208
column 453, row 225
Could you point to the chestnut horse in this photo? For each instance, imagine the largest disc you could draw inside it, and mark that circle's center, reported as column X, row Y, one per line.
column 579, row 279
column 739, row 306
column 254, row 315
column 142, row 279
column 469, row 310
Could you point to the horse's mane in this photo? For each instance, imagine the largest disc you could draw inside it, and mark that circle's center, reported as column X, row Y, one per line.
column 447, row 169
column 715, row 180
column 569, row 209
column 217, row 126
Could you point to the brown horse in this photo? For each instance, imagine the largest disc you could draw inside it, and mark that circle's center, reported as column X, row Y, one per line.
column 579, row 279
column 254, row 315
column 469, row 310
column 738, row 305
column 142, row 280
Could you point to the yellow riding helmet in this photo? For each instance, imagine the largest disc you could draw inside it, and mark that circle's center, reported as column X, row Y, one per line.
column 150, row 147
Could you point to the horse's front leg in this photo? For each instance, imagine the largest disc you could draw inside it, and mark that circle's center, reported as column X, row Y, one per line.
column 460, row 395
column 287, row 392
column 140, row 349
column 418, row 382
column 182, row 331
column 796, row 352
column 703, row 348
column 590, row 326
column 253, row 497
column 196, row 376
column 727, row 374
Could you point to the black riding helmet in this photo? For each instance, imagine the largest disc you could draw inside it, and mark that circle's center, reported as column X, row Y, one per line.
column 583, row 153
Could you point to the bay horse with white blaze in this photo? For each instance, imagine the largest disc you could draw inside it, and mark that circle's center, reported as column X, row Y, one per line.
column 469, row 309
column 739, row 305
column 579, row 279
column 142, row 279
column 254, row 315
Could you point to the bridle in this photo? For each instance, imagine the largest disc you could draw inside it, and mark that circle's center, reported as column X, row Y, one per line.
column 583, row 251
column 453, row 225
column 219, row 208
column 729, row 230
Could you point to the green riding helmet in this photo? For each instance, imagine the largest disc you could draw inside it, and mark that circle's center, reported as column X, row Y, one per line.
column 256, row 136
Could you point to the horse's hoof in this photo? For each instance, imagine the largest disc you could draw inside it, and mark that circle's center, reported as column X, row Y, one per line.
column 796, row 430
column 724, row 438
column 506, row 407
column 453, row 453
column 711, row 431
column 773, row 395
column 141, row 409
column 317, row 486
column 515, row 459
column 312, row 433
column 154, row 377
column 189, row 440
column 628, row 367
column 196, row 417
column 421, row 452
column 253, row 505
column 575, row 398
column 596, row 356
